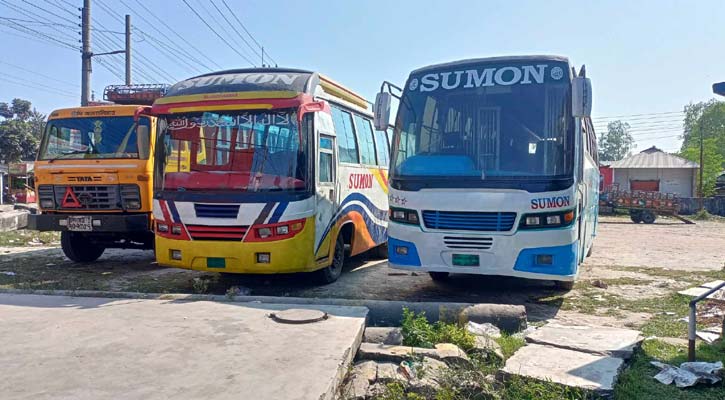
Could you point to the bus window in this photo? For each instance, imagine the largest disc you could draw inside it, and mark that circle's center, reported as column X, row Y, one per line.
column 365, row 135
column 346, row 143
column 382, row 148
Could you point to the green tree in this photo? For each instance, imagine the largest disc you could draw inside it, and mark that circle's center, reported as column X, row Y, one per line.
column 706, row 119
column 616, row 143
column 20, row 130
column 713, row 162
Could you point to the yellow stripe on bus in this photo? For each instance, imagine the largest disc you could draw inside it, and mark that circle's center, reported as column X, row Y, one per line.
column 277, row 94
column 219, row 108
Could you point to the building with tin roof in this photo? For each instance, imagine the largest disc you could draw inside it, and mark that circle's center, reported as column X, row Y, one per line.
column 654, row 170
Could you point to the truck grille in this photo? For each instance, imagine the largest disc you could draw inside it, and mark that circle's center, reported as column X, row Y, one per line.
column 469, row 221
column 466, row 242
column 91, row 197
column 203, row 232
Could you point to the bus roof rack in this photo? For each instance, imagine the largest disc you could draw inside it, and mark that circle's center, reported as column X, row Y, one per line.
column 143, row 94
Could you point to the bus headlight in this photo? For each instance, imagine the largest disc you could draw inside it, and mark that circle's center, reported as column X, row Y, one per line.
column 162, row 227
column 404, row 216
column 557, row 219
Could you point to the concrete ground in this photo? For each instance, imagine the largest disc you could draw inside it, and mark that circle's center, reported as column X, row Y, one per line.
column 55, row 347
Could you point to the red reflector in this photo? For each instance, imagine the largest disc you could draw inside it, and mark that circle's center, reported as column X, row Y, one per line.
column 70, row 200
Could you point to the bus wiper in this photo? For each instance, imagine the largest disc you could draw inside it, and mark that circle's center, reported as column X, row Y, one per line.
column 67, row 154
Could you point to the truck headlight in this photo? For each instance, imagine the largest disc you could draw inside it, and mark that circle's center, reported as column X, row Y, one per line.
column 47, row 204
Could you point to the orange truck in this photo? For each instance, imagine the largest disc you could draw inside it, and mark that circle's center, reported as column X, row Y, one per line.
column 94, row 174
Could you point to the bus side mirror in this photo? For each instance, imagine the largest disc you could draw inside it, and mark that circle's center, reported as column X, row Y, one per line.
column 581, row 97
column 382, row 111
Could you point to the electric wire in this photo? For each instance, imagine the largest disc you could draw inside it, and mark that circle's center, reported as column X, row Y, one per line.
column 247, row 31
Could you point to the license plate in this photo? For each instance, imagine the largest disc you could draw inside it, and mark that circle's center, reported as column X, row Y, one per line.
column 466, row 260
column 81, row 223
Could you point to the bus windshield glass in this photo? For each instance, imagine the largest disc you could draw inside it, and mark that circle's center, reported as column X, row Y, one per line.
column 233, row 151
column 94, row 138
column 507, row 120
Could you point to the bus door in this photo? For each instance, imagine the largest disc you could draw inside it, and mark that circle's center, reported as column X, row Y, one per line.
column 327, row 189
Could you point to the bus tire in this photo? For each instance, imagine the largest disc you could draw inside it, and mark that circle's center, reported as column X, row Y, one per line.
column 439, row 276
column 331, row 273
column 648, row 217
column 78, row 248
column 382, row 251
column 564, row 285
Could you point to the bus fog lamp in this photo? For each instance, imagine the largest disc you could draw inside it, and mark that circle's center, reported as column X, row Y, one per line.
column 532, row 221
column 263, row 258
column 283, row 230
column 175, row 254
column 401, row 250
column 176, row 230
column 553, row 220
column 544, row 259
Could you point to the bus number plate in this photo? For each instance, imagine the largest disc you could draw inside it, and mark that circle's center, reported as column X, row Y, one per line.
column 466, row 260
column 80, row 223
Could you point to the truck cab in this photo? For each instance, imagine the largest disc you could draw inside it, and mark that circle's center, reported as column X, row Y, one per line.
column 94, row 174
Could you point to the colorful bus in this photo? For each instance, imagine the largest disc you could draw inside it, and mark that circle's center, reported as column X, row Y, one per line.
column 267, row 171
column 93, row 174
column 494, row 169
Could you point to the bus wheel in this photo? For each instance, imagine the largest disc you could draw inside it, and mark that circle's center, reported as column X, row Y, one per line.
column 382, row 251
column 564, row 285
column 331, row 273
column 648, row 217
column 439, row 276
column 78, row 248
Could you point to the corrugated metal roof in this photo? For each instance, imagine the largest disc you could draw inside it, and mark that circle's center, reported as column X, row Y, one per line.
column 654, row 158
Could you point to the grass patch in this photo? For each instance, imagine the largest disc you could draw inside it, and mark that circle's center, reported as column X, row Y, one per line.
column 509, row 344
column 636, row 381
column 23, row 237
column 418, row 332
column 518, row 388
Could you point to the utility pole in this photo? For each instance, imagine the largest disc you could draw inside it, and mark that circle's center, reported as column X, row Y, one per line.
column 128, row 49
column 86, row 53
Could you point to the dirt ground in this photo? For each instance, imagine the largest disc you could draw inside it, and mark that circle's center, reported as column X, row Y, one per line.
column 632, row 269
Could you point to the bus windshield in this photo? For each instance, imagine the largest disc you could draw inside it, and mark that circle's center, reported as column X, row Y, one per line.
column 93, row 138
column 233, row 151
column 486, row 121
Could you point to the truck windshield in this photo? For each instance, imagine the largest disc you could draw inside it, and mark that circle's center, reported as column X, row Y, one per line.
column 233, row 151
column 93, row 138
column 486, row 121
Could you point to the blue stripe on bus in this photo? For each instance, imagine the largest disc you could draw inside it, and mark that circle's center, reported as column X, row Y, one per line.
column 277, row 214
column 377, row 232
column 564, row 260
column 174, row 211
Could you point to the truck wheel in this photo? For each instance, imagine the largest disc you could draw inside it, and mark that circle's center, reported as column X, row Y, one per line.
column 648, row 217
column 564, row 285
column 635, row 216
column 331, row 273
column 439, row 276
column 77, row 248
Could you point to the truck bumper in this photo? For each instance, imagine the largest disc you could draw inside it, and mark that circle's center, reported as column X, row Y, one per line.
column 101, row 223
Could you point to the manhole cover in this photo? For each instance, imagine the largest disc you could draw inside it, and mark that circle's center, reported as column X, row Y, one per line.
column 298, row 316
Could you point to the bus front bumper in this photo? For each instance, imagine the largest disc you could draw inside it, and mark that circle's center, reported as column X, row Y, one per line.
column 99, row 222
column 273, row 257
column 544, row 254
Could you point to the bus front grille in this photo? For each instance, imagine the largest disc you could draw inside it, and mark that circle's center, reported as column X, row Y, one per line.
column 469, row 221
column 467, row 242
column 216, row 210
column 229, row 233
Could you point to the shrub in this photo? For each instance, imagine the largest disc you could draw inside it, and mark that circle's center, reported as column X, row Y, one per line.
column 418, row 332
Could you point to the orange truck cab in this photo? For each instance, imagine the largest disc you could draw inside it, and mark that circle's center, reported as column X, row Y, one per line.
column 94, row 174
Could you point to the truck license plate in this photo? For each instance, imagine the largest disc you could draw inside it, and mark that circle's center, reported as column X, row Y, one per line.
column 80, row 223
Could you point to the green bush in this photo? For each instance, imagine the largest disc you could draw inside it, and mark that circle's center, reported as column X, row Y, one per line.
column 418, row 332
column 702, row 215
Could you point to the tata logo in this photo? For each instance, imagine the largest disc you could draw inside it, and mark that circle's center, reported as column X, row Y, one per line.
column 550, row 202
column 473, row 78
column 80, row 178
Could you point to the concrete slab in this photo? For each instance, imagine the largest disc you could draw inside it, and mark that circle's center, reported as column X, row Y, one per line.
column 590, row 339
column 55, row 347
column 705, row 287
column 566, row 367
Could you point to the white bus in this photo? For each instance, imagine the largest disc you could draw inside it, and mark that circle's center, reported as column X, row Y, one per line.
column 494, row 169
column 266, row 171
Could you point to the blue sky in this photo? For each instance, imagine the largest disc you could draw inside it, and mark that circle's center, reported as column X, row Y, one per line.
column 644, row 57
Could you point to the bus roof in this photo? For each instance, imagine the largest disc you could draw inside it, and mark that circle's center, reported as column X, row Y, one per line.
column 492, row 59
column 111, row 110
column 255, row 83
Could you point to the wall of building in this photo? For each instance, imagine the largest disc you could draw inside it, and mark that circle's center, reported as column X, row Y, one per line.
column 672, row 180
